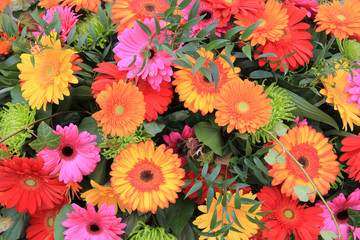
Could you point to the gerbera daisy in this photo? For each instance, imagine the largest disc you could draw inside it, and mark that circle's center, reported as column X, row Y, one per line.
column 294, row 39
column 5, row 43
column 49, row 78
column 91, row 5
column 207, row 20
column 196, row 91
column 67, row 17
column 351, row 147
column 126, row 12
column 25, row 185
column 103, row 194
column 339, row 207
column 48, row 3
column 147, row 178
column 223, row 9
column 288, row 217
column 42, row 224
column 340, row 18
column 273, row 22
column 76, row 155
column 313, row 151
column 354, row 87
column 89, row 224
column 3, row 4
column 248, row 228
column 132, row 42
column 122, row 109
column 311, row 6
column 334, row 90
column 243, row 106
column 177, row 142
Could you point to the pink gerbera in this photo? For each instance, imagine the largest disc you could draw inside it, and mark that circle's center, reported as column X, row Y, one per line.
column 132, row 42
column 76, row 155
column 311, row 6
column 354, row 87
column 177, row 142
column 207, row 20
column 67, row 17
column 339, row 206
column 91, row 225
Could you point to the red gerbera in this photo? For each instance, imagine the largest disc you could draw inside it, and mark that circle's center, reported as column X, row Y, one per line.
column 155, row 101
column 223, row 175
column 352, row 154
column 223, row 9
column 288, row 217
column 294, row 39
column 26, row 186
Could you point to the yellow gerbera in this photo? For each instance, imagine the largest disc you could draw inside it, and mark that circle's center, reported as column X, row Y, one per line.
column 103, row 194
column 334, row 90
column 145, row 177
column 248, row 228
column 49, row 78
column 91, row 5
column 196, row 91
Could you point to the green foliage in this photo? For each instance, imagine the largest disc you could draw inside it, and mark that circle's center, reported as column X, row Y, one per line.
column 46, row 138
column 146, row 232
column 302, row 192
column 14, row 117
column 20, row 223
column 210, row 135
column 60, row 217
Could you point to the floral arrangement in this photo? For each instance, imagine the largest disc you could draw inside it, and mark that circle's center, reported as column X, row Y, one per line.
column 179, row 119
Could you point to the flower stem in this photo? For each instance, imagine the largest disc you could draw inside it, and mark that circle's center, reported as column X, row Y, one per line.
column 42, row 119
column 310, row 180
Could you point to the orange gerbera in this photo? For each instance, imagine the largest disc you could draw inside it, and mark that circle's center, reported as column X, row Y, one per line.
column 342, row 18
column 334, row 90
column 243, row 106
column 147, row 178
column 5, row 44
column 103, row 194
column 314, row 153
column 48, row 3
column 122, row 109
column 196, row 91
column 91, row 5
column 3, row 4
column 273, row 22
column 126, row 12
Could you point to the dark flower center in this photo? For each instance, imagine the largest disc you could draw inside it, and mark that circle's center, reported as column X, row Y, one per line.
column 146, row 175
column 149, row 7
column 207, row 14
column 67, row 151
column 152, row 54
column 303, row 161
column 343, row 215
column 94, row 228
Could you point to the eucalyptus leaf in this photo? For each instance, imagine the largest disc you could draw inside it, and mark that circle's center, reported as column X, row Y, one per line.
column 302, row 192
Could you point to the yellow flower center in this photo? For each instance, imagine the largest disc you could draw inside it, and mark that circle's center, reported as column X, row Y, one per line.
column 119, row 109
column 243, row 107
column 51, row 222
column 341, row 17
column 288, row 214
column 228, row 1
column 49, row 70
column 30, row 182
column 263, row 22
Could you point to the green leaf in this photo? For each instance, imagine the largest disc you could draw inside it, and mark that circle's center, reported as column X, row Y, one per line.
column 247, row 50
column 206, row 73
column 216, row 44
column 279, row 128
column 270, row 157
column 260, row 74
column 281, row 159
column 207, row 29
column 178, row 214
column 215, row 172
column 302, row 192
column 328, row 235
column 266, row 55
column 99, row 174
column 168, row 50
column 194, row 10
column 205, row 169
column 237, row 200
column 233, row 31
column 189, row 24
column 198, row 184
column 210, row 136
column 37, row 145
column 213, row 220
column 20, row 223
column 249, row 30
column 144, row 27
column 354, row 216
column 153, row 127
column 198, row 64
column 214, row 72
column 187, row 233
column 46, row 137
column 209, row 197
column 157, row 24
column 89, row 124
column 310, row 111
column 16, row 95
column 60, row 217
column 53, row 141
column 184, row 4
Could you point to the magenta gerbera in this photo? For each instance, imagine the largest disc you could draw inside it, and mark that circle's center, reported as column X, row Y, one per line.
column 67, row 17
column 354, row 87
column 76, row 155
column 132, row 42
column 88, row 224
column 177, row 142
column 339, row 206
